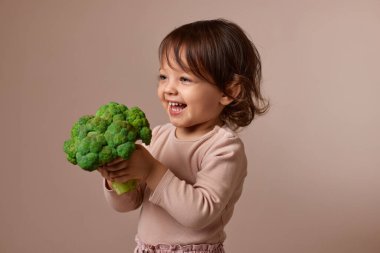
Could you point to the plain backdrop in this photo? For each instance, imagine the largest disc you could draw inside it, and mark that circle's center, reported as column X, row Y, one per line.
column 314, row 159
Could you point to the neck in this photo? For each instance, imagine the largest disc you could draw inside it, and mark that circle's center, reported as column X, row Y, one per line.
column 196, row 131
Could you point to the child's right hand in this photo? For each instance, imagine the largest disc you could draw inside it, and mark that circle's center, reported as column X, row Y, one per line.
column 141, row 166
column 106, row 173
column 120, row 202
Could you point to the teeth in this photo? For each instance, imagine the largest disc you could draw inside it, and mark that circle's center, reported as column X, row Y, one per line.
column 174, row 104
column 176, row 109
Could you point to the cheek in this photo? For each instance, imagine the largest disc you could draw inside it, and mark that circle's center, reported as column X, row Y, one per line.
column 209, row 99
column 160, row 92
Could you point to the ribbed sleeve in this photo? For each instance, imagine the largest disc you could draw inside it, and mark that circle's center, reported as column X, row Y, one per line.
column 125, row 202
column 161, row 187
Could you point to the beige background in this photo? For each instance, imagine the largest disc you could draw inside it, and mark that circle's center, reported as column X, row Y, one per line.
column 314, row 160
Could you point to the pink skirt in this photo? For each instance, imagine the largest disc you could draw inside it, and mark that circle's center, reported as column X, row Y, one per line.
column 166, row 248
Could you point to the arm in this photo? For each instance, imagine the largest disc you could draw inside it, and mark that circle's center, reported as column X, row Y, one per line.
column 125, row 202
column 118, row 171
column 219, row 180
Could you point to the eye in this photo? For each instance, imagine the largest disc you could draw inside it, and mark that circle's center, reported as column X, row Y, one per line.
column 161, row 77
column 184, row 79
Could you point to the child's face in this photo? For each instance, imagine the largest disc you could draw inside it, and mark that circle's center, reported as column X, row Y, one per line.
column 193, row 105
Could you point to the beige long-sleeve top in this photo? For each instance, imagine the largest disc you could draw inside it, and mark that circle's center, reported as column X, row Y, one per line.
column 195, row 198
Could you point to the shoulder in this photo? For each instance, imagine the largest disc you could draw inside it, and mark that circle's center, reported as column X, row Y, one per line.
column 224, row 152
column 162, row 130
column 228, row 133
column 224, row 137
column 161, row 133
column 224, row 143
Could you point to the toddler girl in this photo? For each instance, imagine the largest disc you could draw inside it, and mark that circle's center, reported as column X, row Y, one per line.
column 192, row 173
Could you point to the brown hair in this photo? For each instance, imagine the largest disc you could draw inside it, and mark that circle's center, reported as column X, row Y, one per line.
column 219, row 52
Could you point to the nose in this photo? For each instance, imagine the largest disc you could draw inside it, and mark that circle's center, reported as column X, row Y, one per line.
column 171, row 87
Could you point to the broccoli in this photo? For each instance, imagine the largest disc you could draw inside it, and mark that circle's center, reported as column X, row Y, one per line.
column 112, row 132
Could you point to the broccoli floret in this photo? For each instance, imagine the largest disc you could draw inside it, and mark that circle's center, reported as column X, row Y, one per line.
column 110, row 110
column 96, row 124
column 70, row 148
column 125, row 150
column 79, row 130
column 87, row 161
column 107, row 154
column 110, row 133
column 117, row 133
column 146, row 135
column 136, row 117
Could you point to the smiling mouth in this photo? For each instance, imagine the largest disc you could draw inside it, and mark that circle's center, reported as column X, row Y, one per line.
column 176, row 108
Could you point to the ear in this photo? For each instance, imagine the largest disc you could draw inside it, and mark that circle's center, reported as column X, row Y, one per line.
column 232, row 92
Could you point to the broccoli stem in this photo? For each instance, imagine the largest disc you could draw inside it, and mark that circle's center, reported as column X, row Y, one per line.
column 121, row 188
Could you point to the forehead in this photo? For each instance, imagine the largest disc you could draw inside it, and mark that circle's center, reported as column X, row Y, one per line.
column 170, row 58
column 186, row 58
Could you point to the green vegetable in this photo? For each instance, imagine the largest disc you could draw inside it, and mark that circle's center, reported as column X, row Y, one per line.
column 110, row 133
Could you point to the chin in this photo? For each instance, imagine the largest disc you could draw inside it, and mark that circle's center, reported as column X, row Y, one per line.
column 177, row 124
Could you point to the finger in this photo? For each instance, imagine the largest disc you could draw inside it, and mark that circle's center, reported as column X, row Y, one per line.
column 117, row 167
column 139, row 147
column 102, row 171
column 101, row 168
column 119, row 170
column 115, row 161
column 119, row 173
column 105, row 174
